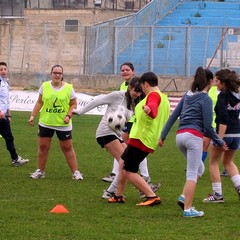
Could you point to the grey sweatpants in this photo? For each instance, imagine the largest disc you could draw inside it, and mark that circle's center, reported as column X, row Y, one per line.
column 191, row 146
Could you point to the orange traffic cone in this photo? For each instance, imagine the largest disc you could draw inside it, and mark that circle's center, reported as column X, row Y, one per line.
column 59, row 209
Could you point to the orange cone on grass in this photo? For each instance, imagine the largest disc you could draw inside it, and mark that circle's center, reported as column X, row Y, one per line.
column 59, row 209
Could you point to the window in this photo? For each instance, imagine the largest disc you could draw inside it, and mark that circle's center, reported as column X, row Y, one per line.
column 71, row 25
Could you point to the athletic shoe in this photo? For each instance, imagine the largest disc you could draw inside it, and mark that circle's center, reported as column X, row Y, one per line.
column 192, row 212
column 109, row 178
column 19, row 161
column 147, row 179
column 116, row 199
column 150, row 201
column 77, row 175
column 107, row 195
column 224, row 173
column 37, row 174
column 238, row 190
column 214, row 198
column 154, row 188
column 180, row 201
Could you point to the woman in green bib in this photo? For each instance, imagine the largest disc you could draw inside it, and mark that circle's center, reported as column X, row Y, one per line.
column 150, row 116
column 55, row 103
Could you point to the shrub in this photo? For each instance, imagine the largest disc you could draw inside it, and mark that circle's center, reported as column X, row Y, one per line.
column 197, row 14
column 160, row 45
column 168, row 37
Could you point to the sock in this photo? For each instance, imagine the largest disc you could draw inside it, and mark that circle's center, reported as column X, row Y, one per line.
column 143, row 168
column 113, row 186
column 217, row 187
column 204, row 156
column 236, row 180
column 115, row 166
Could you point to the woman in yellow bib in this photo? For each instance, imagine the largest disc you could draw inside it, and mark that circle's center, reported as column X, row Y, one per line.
column 55, row 103
column 150, row 116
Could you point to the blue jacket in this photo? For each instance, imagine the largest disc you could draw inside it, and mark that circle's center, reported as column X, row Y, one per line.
column 195, row 112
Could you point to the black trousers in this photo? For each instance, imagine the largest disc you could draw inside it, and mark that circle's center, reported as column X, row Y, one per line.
column 6, row 132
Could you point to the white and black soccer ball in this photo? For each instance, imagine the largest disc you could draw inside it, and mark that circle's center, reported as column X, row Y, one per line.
column 116, row 120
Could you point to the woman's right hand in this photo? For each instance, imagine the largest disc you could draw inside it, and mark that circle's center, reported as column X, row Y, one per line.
column 31, row 121
column 161, row 142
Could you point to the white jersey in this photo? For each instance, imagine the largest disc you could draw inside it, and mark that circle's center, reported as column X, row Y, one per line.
column 113, row 101
column 4, row 95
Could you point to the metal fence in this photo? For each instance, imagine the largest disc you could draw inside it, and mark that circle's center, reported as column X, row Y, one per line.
column 165, row 50
column 102, row 48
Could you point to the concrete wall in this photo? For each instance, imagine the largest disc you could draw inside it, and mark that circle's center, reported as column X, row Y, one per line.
column 39, row 40
column 86, row 17
column 41, row 33
column 95, row 83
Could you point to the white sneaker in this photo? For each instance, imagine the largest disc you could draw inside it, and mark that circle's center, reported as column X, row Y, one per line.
column 107, row 195
column 109, row 178
column 19, row 161
column 154, row 188
column 37, row 174
column 147, row 179
column 77, row 175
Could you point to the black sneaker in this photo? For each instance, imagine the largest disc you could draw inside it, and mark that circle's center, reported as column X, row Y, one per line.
column 224, row 173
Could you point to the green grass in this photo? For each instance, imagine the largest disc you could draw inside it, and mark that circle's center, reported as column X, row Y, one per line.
column 25, row 203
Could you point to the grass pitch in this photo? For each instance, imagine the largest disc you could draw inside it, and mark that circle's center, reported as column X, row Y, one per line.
column 25, row 203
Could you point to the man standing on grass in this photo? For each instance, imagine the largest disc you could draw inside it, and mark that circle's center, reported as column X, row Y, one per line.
column 5, row 117
column 151, row 114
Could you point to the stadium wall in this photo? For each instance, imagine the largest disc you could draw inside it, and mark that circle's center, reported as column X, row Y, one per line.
column 96, row 83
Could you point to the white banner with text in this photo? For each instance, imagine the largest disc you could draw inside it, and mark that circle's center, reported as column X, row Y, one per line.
column 25, row 101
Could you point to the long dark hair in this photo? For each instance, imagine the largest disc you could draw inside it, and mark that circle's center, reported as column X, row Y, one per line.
column 136, row 85
column 202, row 79
column 230, row 78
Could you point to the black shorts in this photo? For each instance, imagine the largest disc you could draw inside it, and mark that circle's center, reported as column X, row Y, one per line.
column 127, row 127
column 132, row 158
column 102, row 141
column 48, row 132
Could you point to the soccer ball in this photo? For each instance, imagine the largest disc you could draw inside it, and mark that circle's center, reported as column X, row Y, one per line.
column 116, row 120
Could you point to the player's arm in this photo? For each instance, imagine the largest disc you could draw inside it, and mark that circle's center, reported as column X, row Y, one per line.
column 73, row 105
column 152, row 104
column 36, row 110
